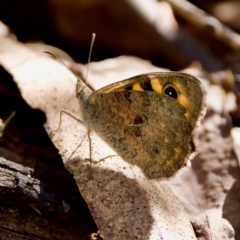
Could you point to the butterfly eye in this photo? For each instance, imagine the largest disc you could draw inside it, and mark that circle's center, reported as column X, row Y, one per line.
column 171, row 92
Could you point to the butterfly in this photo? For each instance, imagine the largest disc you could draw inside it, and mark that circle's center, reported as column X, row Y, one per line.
column 149, row 119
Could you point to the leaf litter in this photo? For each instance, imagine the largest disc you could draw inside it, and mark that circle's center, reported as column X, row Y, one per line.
column 124, row 204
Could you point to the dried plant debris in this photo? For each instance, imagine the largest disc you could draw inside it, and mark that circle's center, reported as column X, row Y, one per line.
column 124, row 203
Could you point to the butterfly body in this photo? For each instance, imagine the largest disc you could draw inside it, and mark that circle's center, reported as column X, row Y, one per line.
column 148, row 119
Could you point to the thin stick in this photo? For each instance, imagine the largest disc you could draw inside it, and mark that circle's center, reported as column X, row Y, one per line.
column 201, row 19
column 3, row 125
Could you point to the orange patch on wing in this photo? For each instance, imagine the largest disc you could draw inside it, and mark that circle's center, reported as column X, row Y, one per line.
column 137, row 87
column 188, row 116
column 156, row 86
column 184, row 101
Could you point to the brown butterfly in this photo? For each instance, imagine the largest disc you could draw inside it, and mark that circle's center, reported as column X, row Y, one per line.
column 148, row 119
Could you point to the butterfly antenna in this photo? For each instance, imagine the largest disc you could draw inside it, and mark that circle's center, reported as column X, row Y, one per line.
column 89, row 56
column 59, row 59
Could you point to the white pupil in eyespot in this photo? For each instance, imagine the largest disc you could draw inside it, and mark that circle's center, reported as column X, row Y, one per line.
column 171, row 92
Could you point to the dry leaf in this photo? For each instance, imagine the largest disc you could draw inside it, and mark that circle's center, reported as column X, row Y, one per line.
column 123, row 202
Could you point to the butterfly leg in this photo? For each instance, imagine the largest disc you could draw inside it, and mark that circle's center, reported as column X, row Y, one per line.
column 77, row 147
column 69, row 114
column 103, row 159
column 88, row 134
column 90, row 152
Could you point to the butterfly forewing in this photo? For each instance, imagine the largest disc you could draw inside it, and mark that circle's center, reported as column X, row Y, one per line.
column 148, row 120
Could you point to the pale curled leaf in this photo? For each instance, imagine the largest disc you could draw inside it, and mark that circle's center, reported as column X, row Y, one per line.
column 123, row 202
column 128, row 207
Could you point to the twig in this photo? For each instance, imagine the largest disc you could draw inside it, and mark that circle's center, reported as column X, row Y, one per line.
column 203, row 20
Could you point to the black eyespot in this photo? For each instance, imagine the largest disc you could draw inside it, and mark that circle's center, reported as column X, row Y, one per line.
column 128, row 88
column 156, row 150
column 146, row 86
column 171, row 92
column 138, row 120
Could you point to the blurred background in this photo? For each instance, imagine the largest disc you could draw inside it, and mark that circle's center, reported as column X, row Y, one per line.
column 165, row 32
column 171, row 34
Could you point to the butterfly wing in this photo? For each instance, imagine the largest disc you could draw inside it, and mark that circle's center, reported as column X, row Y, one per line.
column 147, row 128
